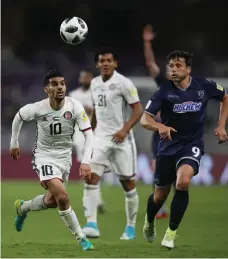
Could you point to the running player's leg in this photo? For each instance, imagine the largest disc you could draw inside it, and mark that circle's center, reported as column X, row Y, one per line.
column 125, row 163
column 162, row 213
column 54, row 178
column 164, row 177
column 187, row 165
column 67, row 214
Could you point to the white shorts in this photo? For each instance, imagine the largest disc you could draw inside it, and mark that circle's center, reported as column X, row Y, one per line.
column 121, row 158
column 48, row 168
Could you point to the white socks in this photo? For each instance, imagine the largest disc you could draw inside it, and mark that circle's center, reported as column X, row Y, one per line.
column 131, row 206
column 70, row 219
column 36, row 203
column 100, row 200
column 90, row 202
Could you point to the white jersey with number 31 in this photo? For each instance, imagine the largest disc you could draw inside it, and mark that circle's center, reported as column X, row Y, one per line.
column 110, row 100
column 55, row 129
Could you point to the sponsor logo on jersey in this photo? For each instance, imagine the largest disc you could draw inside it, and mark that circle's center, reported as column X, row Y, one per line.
column 187, row 107
column 219, row 87
column 173, row 97
column 84, row 116
column 67, row 115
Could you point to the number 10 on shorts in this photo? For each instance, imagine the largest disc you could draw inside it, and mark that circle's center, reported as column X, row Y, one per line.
column 46, row 170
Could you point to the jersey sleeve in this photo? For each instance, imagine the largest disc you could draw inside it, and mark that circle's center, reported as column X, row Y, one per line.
column 130, row 92
column 215, row 90
column 28, row 112
column 155, row 102
column 82, row 119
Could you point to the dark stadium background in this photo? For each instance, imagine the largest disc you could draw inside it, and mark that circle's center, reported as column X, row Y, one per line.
column 31, row 45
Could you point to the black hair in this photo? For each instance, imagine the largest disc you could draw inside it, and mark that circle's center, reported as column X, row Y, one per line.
column 181, row 54
column 103, row 52
column 51, row 74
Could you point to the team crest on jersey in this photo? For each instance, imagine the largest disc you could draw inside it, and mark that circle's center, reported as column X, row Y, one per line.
column 112, row 87
column 187, row 107
column 201, row 94
column 67, row 115
column 219, row 87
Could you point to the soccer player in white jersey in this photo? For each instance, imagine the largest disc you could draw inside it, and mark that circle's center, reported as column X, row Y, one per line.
column 84, row 95
column 56, row 118
column 114, row 141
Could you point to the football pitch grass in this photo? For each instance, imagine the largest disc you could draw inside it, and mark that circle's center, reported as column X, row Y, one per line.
column 203, row 233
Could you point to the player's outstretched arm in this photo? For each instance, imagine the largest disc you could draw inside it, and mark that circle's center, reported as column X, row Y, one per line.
column 14, row 143
column 220, row 131
column 148, row 36
column 26, row 113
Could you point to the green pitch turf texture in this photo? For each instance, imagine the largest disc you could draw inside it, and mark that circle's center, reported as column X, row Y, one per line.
column 203, row 233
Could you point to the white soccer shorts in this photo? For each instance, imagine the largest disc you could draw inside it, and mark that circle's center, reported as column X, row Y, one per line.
column 122, row 158
column 48, row 168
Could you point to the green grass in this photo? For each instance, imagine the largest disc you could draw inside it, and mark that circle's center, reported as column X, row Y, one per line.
column 203, row 233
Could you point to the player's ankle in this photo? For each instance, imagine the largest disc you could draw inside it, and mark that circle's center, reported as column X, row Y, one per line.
column 91, row 221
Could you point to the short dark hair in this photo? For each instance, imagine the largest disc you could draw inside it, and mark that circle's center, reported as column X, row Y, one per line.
column 181, row 54
column 103, row 52
column 51, row 74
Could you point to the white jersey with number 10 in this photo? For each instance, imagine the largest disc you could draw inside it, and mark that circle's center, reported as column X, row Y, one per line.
column 55, row 129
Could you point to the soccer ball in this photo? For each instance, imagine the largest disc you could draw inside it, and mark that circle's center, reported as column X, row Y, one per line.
column 73, row 30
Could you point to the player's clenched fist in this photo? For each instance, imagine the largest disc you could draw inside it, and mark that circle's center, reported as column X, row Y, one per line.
column 220, row 132
column 15, row 153
column 85, row 171
column 165, row 132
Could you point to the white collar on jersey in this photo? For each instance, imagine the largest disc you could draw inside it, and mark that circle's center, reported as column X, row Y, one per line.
column 184, row 89
column 114, row 74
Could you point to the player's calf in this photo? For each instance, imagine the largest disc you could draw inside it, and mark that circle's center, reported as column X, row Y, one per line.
column 179, row 203
column 57, row 189
column 131, row 207
column 90, row 203
column 23, row 207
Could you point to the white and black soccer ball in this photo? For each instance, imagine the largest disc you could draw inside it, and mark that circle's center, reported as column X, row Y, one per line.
column 73, row 30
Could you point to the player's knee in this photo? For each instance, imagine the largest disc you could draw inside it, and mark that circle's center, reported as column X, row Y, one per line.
column 51, row 203
column 184, row 176
column 94, row 179
column 161, row 194
column 62, row 199
column 128, row 185
column 183, row 183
